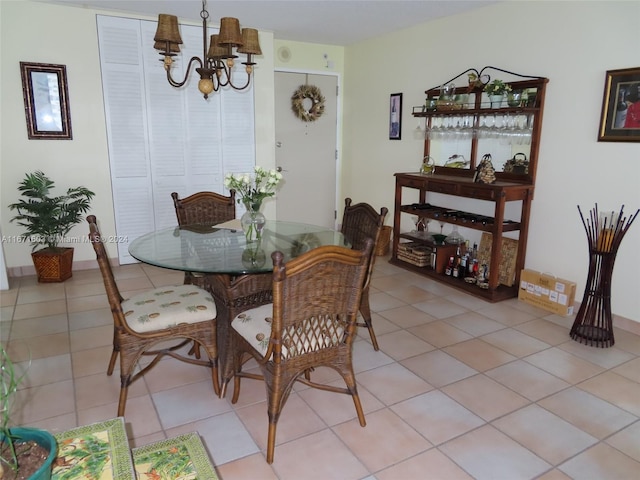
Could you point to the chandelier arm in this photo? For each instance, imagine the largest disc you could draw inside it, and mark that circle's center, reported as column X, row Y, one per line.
column 240, row 88
column 173, row 83
column 230, row 83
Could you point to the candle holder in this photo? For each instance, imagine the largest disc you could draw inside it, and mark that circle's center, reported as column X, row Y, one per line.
column 593, row 324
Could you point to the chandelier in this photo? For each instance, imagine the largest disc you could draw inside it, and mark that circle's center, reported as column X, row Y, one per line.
column 215, row 66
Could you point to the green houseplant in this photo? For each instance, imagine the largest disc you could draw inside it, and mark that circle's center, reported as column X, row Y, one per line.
column 24, row 452
column 497, row 87
column 47, row 220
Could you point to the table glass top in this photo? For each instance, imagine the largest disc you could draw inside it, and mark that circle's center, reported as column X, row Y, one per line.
column 209, row 249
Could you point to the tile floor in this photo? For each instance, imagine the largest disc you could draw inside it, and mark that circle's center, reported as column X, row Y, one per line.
column 460, row 389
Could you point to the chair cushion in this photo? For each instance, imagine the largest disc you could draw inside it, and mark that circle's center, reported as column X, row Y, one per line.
column 255, row 327
column 166, row 307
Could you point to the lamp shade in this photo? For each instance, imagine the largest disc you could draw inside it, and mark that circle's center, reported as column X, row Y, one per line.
column 217, row 51
column 167, row 30
column 250, row 42
column 173, row 47
column 230, row 32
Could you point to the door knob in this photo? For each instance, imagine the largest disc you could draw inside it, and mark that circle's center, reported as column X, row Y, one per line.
column 278, row 144
column 280, row 169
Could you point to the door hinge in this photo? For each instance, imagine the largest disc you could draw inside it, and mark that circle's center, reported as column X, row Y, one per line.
column 337, row 90
column 336, row 154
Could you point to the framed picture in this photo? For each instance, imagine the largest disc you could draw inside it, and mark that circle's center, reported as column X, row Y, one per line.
column 620, row 120
column 46, row 101
column 395, row 116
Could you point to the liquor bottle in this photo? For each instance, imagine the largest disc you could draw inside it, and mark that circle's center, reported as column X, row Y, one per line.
column 464, row 260
column 470, row 265
column 482, row 274
column 449, row 270
column 475, row 269
column 455, row 273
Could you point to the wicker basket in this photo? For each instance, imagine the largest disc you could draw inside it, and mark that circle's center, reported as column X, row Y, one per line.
column 53, row 266
column 415, row 253
column 382, row 248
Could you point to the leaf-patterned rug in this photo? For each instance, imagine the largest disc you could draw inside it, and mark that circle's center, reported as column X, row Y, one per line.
column 99, row 451
column 178, row 458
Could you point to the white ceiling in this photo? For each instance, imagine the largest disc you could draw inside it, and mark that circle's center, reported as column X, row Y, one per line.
column 331, row 22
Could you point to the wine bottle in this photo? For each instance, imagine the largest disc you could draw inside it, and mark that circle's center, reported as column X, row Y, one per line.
column 470, row 264
column 464, row 260
column 455, row 273
column 449, row 270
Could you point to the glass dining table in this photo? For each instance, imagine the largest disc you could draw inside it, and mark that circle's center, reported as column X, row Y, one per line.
column 237, row 273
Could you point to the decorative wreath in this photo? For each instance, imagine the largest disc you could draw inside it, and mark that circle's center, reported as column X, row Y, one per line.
column 297, row 103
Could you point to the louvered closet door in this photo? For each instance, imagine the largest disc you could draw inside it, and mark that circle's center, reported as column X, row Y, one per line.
column 181, row 141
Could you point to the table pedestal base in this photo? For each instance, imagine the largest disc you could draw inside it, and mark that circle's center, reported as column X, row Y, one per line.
column 234, row 295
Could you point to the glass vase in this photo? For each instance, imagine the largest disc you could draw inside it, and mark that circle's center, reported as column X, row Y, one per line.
column 514, row 98
column 252, row 221
column 254, row 256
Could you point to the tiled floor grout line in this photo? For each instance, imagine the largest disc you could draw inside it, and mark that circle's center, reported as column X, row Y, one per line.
column 576, row 455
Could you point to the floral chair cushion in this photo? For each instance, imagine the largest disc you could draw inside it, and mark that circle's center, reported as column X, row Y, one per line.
column 254, row 326
column 166, row 307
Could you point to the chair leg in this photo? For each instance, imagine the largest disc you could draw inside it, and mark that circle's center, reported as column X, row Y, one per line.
column 223, row 388
column 195, row 350
column 350, row 381
column 365, row 311
column 271, row 440
column 277, row 394
column 124, row 390
column 359, row 411
column 112, row 361
column 215, row 374
column 236, row 389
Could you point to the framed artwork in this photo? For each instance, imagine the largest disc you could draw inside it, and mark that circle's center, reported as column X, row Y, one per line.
column 46, row 101
column 620, row 121
column 395, row 116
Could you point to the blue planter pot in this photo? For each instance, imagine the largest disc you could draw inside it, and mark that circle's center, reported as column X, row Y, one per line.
column 42, row 438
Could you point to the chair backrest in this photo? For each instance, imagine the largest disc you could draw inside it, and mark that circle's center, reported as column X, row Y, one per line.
column 204, row 208
column 359, row 222
column 316, row 298
column 113, row 294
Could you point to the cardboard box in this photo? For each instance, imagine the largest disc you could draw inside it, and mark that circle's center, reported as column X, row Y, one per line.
column 547, row 292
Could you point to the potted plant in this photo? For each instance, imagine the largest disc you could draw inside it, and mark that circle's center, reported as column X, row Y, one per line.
column 496, row 90
column 47, row 220
column 24, row 452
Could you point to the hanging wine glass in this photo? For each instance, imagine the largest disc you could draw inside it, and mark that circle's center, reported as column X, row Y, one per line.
column 416, row 221
column 427, row 221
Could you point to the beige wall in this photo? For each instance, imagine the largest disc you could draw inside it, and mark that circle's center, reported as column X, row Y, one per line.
column 571, row 43
column 27, row 35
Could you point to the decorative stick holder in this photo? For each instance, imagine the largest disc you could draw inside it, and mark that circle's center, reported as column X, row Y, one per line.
column 593, row 324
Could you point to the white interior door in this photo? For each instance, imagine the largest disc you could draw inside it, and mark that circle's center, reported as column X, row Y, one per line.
column 306, row 152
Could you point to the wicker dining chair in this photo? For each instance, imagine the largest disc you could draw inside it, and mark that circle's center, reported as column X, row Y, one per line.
column 311, row 323
column 147, row 324
column 203, row 208
column 359, row 222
